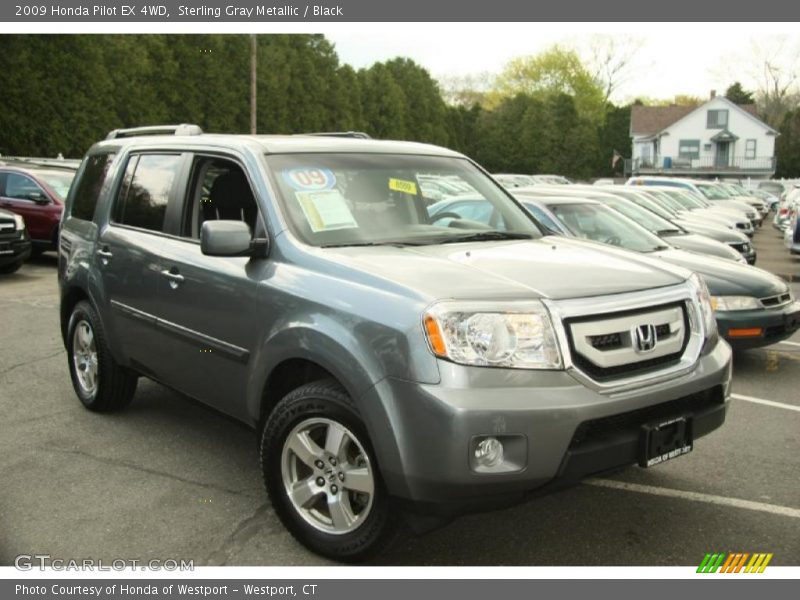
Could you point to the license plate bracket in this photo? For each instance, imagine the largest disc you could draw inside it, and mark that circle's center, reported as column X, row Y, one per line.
column 664, row 440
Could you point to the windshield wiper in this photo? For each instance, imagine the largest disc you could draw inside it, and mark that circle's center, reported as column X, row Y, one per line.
column 668, row 231
column 482, row 236
column 397, row 243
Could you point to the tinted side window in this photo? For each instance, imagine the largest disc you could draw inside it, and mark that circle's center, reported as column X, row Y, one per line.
column 145, row 190
column 88, row 187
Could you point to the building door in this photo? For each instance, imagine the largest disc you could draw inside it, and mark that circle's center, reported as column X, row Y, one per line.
column 723, row 158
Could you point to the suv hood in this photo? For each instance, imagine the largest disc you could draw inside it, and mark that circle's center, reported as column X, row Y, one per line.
column 551, row 267
column 725, row 277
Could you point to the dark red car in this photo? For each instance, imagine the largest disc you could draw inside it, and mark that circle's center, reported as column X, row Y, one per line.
column 37, row 194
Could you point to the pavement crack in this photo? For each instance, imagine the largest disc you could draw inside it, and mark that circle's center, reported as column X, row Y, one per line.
column 31, row 362
column 245, row 530
column 124, row 463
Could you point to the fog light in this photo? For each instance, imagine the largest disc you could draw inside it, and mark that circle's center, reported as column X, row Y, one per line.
column 489, row 452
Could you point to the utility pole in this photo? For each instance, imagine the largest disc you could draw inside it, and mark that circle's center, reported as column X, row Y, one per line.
column 253, row 84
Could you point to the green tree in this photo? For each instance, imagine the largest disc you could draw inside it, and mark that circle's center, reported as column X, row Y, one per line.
column 554, row 71
column 738, row 95
column 424, row 107
column 787, row 146
column 613, row 136
column 383, row 103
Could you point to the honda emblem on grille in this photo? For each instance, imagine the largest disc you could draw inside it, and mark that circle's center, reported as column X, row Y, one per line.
column 644, row 337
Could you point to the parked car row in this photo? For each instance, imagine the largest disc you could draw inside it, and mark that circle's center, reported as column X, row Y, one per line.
column 34, row 193
column 513, row 180
column 787, row 217
column 702, row 226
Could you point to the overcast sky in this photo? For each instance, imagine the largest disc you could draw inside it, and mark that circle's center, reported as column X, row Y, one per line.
column 673, row 58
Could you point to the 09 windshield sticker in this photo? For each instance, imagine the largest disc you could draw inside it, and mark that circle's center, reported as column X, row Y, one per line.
column 326, row 210
column 309, row 179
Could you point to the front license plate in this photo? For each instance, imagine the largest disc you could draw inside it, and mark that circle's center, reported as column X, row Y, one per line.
column 665, row 440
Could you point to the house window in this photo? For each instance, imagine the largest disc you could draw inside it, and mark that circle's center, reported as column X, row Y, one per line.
column 689, row 149
column 717, row 119
column 750, row 149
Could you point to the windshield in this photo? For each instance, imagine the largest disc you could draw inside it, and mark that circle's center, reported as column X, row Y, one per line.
column 713, row 192
column 601, row 224
column 59, row 181
column 653, row 206
column 364, row 199
column 735, row 189
column 680, row 200
column 542, row 217
column 647, row 219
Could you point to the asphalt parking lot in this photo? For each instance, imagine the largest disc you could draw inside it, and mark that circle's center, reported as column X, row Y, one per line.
column 168, row 478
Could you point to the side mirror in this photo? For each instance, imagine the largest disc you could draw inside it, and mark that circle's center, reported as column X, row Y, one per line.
column 226, row 238
column 39, row 198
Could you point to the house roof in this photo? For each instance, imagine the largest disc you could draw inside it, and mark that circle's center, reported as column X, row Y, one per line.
column 647, row 120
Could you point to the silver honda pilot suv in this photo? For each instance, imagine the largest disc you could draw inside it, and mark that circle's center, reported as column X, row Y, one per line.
column 391, row 362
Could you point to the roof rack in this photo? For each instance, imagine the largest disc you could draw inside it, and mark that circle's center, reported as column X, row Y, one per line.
column 345, row 134
column 182, row 129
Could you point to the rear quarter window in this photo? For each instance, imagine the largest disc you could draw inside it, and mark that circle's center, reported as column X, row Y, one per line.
column 87, row 190
column 145, row 191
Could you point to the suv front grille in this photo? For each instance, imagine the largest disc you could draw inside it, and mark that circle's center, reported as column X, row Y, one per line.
column 609, row 353
column 8, row 229
column 604, row 427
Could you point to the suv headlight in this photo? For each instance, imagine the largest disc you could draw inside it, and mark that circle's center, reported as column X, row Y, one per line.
column 734, row 303
column 517, row 336
column 704, row 301
column 19, row 222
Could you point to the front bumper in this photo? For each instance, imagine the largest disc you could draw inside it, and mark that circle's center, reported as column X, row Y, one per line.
column 14, row 251
column 425, row 435
column 774, row 325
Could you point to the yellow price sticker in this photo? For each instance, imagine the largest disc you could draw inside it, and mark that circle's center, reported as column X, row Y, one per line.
column 407, row 187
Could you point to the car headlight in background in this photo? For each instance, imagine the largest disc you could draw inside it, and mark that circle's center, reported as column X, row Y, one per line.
column 704, row 300
column 19, row 222
column 734, row 303
column 517, row 336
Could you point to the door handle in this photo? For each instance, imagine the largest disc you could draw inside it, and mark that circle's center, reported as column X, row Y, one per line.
column 175, row 279
column 104, row 255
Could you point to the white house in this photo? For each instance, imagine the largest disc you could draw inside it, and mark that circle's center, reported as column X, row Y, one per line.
column 718, row 138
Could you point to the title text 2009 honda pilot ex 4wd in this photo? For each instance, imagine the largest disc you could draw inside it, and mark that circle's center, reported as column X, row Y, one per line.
column 389, row 362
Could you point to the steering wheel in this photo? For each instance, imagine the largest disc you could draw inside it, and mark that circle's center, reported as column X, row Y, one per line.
column 445, row 215
column 614, row 240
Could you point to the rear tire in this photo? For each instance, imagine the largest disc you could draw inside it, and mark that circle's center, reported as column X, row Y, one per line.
column 315, row 444
column 100, row 383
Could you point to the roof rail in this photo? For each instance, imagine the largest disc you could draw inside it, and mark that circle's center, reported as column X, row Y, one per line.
column 349, row 134
column 182, row 129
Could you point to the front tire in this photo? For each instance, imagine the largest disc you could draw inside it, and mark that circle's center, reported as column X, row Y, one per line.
column 322, row 476
column 100, row 383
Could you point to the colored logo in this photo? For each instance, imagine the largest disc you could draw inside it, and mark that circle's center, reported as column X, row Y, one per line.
column 734, row 562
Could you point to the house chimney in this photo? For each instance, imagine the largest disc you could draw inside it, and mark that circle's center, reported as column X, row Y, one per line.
column 713, row 94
